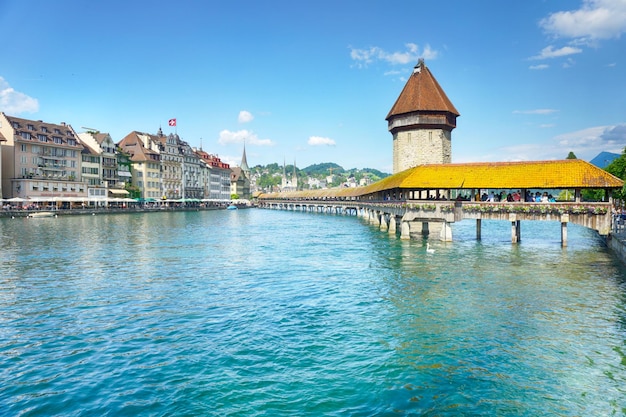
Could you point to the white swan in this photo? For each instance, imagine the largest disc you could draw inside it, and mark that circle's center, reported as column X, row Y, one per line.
column 428, row 249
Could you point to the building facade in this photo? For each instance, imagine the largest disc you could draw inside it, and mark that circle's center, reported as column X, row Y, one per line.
column 143, row 149
column 218, row 187
column 40, row 159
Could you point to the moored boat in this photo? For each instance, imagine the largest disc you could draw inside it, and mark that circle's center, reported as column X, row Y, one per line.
column 42, row 214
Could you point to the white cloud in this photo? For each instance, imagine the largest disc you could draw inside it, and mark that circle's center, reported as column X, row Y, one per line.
column 364, row 57
column 539, row 67
column 14, row 102
column 318, row 141
column 245, row 116
column 550, row 52
column 241, row 136
column 591, row 141
column 595, row 19
column 535, row 111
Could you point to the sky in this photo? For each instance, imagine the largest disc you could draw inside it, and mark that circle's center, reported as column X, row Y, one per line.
column 310, row 82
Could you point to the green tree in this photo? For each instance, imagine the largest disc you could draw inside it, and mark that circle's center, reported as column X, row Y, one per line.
column 618, row 168
column 571, row 155
column 267, row 181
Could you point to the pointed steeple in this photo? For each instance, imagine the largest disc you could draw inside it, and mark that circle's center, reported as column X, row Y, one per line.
column 244, row 160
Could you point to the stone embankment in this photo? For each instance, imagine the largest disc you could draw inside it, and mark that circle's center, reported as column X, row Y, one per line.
column 616, row 241
column 92, row 211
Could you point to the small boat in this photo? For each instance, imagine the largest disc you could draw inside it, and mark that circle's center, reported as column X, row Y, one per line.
column 42, row 214
column 231, row 207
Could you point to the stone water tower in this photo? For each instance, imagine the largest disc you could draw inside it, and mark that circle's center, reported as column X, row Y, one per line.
column 421, row 122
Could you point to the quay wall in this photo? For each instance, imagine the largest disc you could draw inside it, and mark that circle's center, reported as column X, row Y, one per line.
column 92, row 211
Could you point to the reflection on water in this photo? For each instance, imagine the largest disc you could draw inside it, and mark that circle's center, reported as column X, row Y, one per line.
column 258, row 312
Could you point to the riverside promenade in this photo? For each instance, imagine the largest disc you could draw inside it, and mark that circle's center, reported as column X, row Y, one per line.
column 131, row 208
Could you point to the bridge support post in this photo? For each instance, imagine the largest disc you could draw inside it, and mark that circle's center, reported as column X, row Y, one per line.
column 446, row 233
column 392, row 224
column 383, row 222
column 564, row 221
column 405, row 230
column 374, row 218
column 478, row 229
column 515, row 228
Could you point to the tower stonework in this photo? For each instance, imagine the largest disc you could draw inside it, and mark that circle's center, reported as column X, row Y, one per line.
column 421, row 122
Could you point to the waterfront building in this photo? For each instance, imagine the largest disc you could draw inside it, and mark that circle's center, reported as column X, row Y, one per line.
column 40, row 160
column 2, row 140
column 143, row 149
column 105, row 147
column 239, row 183
column 124, row 168
column 421, row 122
column 171, row 166
column 218, row 176
column 192, row 167
column 91, row 165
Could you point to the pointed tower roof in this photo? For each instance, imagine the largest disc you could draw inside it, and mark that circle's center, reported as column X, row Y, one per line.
column 244, row 160
column 422, row 93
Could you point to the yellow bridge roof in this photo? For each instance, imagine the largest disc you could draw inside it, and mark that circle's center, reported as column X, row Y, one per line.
column 565, row 173
column 558, row 174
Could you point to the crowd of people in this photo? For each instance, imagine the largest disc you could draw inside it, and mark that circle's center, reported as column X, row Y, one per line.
column 510, row 197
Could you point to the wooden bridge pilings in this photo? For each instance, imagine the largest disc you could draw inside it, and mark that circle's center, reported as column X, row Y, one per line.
column 423, row 217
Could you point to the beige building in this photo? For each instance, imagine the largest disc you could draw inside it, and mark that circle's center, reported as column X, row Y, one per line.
column 103, row 145
column 172, row 166
column 143, row 149
column 421, row 122
column 40, row 160
column 240, row 179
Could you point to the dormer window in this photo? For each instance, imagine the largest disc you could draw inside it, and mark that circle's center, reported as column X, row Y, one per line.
column 31, row 127
column 25, row 135
column 44, row 129
column 58, row 140
column 57, row 131
column 69, row 133
column 42, row 138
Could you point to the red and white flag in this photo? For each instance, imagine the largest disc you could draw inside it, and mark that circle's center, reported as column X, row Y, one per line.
column 172, row 122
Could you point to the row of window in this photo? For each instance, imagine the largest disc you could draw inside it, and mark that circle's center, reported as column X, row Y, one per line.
column 92, row 171
column 44, row 129
column 44, row 138
column 56, row 186
column 49, row 151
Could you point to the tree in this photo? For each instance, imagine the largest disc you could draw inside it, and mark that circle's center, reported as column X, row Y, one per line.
column 571, row 155
column 618, row 168
column 267, row 181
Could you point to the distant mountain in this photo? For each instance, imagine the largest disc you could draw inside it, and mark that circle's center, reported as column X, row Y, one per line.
column 603, row 159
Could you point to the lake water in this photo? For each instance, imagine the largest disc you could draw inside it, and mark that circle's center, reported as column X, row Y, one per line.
column 271, row 313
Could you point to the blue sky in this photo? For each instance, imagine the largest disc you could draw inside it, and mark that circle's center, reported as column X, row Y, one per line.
column 312, row 81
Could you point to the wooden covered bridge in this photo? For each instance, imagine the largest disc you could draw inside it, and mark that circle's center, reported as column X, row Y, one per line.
column 420, row 200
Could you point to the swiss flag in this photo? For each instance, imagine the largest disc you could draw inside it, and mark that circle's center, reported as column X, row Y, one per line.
column 172, row 122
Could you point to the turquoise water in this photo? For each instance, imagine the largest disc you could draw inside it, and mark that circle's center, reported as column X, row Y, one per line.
column 270, row 313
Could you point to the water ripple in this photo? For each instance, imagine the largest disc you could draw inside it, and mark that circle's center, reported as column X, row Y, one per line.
column 263, row 313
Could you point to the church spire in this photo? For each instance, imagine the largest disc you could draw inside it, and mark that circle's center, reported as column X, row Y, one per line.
column 244, row 160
